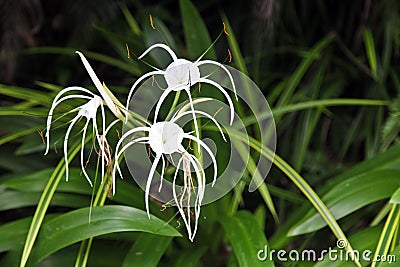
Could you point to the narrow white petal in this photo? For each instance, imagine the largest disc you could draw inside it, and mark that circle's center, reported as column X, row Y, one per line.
column 160, row 101
column 222, row 67
column 110, row 126
column 178, row 205
column 180, row 115
column 188, row 136
column 149, row 178
column 50, row 116
column 128, row 133
column 196, row 127
column 159, row 45
column 82, row 150
column 119, row 153
column 101, row 146
column 66, row 144
column 162, row 173
column 203, row 80
column 141, row 78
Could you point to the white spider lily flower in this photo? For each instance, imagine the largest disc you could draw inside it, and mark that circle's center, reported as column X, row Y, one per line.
column 87, row 110
column 181, row 74
column 165, row 138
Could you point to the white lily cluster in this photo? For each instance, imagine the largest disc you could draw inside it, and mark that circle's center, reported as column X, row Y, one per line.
column 163, row 137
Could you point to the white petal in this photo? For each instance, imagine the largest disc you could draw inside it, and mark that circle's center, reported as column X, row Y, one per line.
column 159, row 103
column 222, row 67
column 119, row 153
column 66, row 144
column 204, row 114
column 99, row 86
column 159, row 45
column 157, row 72
column 82, row 150
column 50, row 116
column 203, row 80
column 149, row 178
column 179, row 206
column 188, row 136
column 196, row 127
column 162, row 173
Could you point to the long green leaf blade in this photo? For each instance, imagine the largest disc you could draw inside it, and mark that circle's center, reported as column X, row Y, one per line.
column 74, row 226
column 246, row 238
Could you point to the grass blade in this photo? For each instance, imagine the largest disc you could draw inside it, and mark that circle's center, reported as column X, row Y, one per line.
column 370, row 49
column 44, row 203
column 387, row 235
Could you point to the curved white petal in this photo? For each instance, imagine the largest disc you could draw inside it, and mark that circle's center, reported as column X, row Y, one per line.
column 103, row 154
column 196, row 126
column 131, row 131
column 50, row 115
column 118, row 154
column 222, row 67
column 149, row 178
column 160, row 101
column 188, row 136
column 159, row 45
column 72, row 88
column 204, row 80
column 74, row 120
column 179, row 206
column 156, row 72
column 200, row 191
column 162, row 173
column 82, row 150
column 110, row 126
column 101, row 143
column 204, row 114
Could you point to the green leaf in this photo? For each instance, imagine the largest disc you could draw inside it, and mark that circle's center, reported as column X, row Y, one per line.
column 395, row 199
column 388, row 234
column 44, row 202
column 133, row 25
column 128, row 67
column 370, row 49
column 351, row 195
column 74, row 226
column 197, row 37
column 190, row 257
column 246, row 238
column 391, row 258
column 233, row 44
column 13, row 233
column 299, row 73
column 363, row 240
column 147, row 250
column 15, row 199
column 299, row 181
column 316, row 104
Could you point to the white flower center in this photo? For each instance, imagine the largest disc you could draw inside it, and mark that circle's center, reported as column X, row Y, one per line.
column 165, row 137
column 89, row 110
column 181, row 72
